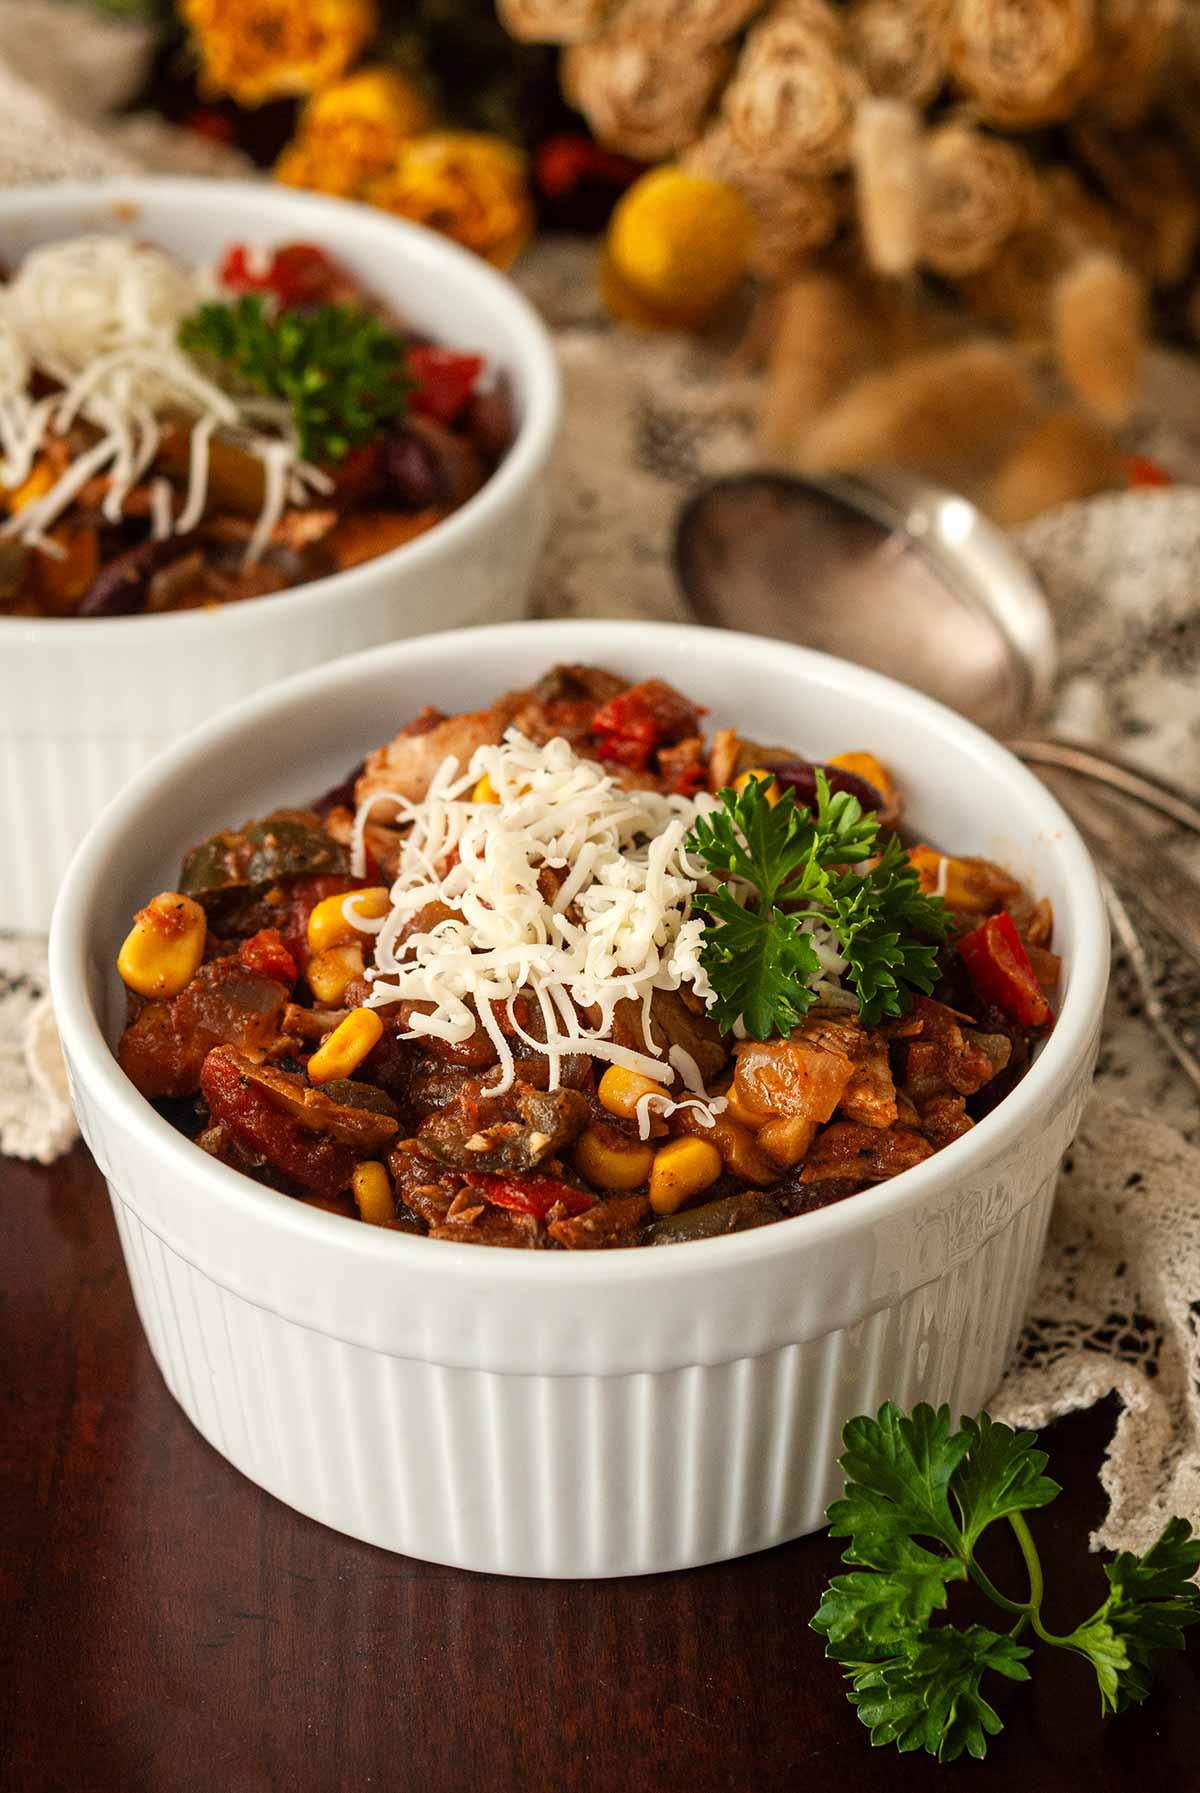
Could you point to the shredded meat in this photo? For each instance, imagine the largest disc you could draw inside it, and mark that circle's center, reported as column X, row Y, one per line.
column 407, row 764
column 942, row 1058
column 944, row 1119
column 163, row 1049
column 850, row 1152
column 565, row 702
column 797, row 1083
column 485, row 1225
column 514, row 1132
column 870, row 1095
column 611, row 1222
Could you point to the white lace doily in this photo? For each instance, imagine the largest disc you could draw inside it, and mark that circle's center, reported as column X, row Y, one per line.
column 647, row 418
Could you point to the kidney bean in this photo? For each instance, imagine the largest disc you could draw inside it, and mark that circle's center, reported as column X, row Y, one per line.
column 801, row 776
column 120, row 588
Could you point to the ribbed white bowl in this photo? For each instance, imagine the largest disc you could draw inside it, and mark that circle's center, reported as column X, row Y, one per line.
column 84, row 704
column 554, row 1414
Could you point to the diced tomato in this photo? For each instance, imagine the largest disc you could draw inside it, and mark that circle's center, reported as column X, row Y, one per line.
column 297, row 274
column 266, row 954
column 300, row 898
column 1000, row 970
column 443, row 380
column 236, row 273
column 564, row 161
column 311, row 1159
column 630, row 745
column 205, row 121
column 631, row 726
column 530, row 1195
column 302, row 274
column 1141, row 471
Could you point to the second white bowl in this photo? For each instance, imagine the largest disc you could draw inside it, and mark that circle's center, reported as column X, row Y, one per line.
column 84, row 704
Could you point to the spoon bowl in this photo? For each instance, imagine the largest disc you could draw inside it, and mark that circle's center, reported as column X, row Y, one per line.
column 893, row 573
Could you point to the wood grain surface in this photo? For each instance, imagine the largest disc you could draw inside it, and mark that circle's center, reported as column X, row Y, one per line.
column 165, row 1627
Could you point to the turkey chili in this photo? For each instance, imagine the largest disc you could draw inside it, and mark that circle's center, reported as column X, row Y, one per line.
column 563, row 974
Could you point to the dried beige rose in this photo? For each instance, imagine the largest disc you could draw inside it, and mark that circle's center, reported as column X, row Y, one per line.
column 1025, row 62
column 553, row 21
column 793, row 215
column 900, row 46
column 791, row 103
column 1132, row 38
column 687, row 25
column 637, row 96
column 978, row 191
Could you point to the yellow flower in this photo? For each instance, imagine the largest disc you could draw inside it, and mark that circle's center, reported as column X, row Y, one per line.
column 372, row 95
column 678, row 245
column 256, row 50
column 468, row 185
column 353, row 131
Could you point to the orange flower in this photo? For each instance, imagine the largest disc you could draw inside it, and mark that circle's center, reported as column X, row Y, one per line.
column 353, row 131
column 256, row 50
column 468, row 185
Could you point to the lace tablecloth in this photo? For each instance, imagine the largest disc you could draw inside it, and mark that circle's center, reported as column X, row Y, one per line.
column 647, row 417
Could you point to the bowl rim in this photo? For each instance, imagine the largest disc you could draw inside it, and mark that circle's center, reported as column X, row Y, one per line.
column 1047, row 1079
column 535, row 363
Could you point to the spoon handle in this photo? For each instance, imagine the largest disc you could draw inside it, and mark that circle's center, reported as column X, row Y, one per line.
column 1117, row 774
column 1134, row 860
column 1129, row 942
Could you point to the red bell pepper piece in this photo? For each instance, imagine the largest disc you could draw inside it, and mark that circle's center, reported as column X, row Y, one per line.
column 530, row 1195
column 311, row 1159
column 1001, row 972
column 297, row 274
column 443, row 380
column 630, row 727
column 266, row 954
column 1142, row 471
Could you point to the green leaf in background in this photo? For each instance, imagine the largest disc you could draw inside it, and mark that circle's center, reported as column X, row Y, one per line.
column 340, row 370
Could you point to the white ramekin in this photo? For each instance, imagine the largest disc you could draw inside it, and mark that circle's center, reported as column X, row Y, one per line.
column 604, row 1413
column 84, row 704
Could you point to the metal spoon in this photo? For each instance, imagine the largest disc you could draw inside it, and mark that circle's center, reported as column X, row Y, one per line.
column 897, row 574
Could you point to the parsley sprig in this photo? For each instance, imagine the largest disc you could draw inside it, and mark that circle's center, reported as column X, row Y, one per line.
column 918, row 1500
column 340, row 369
column 794, row 866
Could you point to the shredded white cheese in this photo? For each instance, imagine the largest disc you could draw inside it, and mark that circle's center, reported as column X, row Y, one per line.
column 569, row 891
column 100, row 315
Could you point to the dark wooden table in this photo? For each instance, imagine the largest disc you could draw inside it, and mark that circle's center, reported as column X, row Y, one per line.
column 165, row 1627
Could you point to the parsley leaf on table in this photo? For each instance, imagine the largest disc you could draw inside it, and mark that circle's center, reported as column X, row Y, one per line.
column 790, row 867
column 341, row 370
column 918, row 1499
column 929, row 1697
column 1151, row 1599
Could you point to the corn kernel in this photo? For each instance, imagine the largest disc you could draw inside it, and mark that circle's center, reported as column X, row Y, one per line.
column 758, row 773
column 373, row 1192
column 485, row 791
column 741, row 1112
column 328, row 925
column 682, row 1168
column 39, row 482
column 610, row 1161
column 869, row 769
column 164, row 947
column 620, row 1091
column 349, row 1043
column 331, row 973
column 740, row 1151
